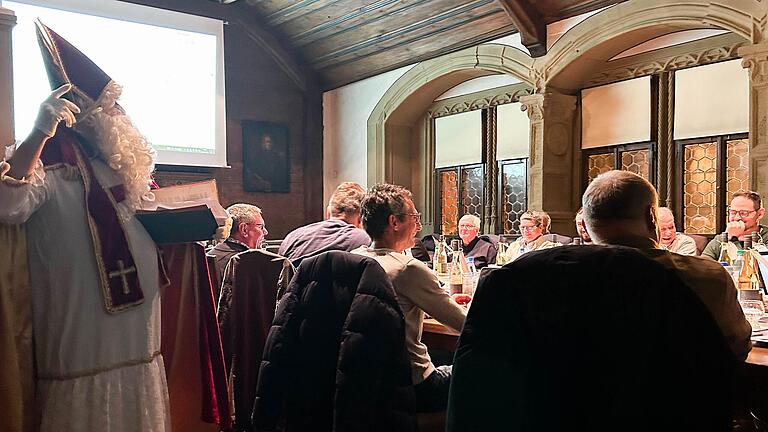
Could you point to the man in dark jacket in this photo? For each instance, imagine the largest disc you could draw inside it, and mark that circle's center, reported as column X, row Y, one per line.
column 479, row 247
column 340, row 231
column 248, row 231
column 620, row 208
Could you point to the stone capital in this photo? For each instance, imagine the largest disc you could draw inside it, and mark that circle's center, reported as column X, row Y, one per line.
column 534, row 106
column 547, row 104
column 7, row 18
column 755, row 58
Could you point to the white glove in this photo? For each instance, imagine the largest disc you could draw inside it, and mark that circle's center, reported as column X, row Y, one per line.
column 53, row 110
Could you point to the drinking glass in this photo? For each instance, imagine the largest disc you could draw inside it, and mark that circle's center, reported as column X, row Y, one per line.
column 753, row 311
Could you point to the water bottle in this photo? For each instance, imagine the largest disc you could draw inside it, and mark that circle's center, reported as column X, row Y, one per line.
column 737, row 264
column 470, row 278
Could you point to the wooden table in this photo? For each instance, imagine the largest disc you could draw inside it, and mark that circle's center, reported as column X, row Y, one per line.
column 439, row 337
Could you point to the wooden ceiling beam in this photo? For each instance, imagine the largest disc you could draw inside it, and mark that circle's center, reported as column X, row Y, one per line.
column 530, row 23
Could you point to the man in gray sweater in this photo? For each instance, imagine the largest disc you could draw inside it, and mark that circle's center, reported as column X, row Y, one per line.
column 390, row 218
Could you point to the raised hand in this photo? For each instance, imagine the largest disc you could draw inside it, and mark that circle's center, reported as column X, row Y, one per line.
column 54, row 110
column 735, row 229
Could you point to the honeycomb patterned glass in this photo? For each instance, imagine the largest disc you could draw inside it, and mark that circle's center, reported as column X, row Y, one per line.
column 699, row 188
column 637, row 161
column 513, row 184
column 736, row 167
column 598, row 164
column 472, row 191
column 449, row 202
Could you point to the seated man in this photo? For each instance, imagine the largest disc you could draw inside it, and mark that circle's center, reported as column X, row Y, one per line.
column 248, row 231
column 533, row 225
column 620, row 209
column 581, row 228
column 479, row 247
column 390, row 218
column 744, row 216
column 672, row 240
column 341, row 231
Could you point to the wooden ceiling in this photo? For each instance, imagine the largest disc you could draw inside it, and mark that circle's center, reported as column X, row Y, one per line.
column 344, row 41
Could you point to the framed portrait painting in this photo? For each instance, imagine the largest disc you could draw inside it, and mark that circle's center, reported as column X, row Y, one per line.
column 266, row 166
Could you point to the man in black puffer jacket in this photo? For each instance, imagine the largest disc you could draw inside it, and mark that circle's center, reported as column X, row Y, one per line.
column 335, row 358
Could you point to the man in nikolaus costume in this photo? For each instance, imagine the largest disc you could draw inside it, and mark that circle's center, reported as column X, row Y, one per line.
column 94, row 271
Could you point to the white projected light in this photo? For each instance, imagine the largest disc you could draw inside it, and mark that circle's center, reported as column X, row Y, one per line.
column 169, row 64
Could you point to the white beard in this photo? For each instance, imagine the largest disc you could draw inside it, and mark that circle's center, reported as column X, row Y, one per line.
column 125, row 150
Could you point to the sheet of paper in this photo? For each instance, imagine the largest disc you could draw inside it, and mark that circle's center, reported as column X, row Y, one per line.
column 188, row 195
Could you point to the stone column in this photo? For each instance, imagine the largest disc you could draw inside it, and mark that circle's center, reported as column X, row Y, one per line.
column 7, row 21
column 550, row 164
column 755, row 58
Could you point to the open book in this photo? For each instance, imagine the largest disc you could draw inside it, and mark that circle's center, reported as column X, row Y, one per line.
column 183, row 213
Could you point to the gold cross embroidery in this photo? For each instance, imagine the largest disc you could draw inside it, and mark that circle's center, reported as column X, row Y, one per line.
column 122, row 272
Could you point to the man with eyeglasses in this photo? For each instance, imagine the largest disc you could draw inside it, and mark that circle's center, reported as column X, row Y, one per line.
column 479, row 247
column 744, row 216
column 390, row 218
column 533, row 226
column 248, row 232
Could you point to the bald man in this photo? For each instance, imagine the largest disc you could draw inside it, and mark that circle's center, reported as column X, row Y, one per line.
column 672, row 240
column 620, row 208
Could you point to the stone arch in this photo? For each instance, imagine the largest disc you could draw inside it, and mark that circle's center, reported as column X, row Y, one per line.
column 609, row 32
column 408, row 98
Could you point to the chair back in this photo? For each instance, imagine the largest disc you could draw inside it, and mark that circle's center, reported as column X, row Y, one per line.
column 558, row 238
column 589, row 338
column 273, row 245
column 215, row 279
column 335, row 358
column 701, row 242
column 246, row 309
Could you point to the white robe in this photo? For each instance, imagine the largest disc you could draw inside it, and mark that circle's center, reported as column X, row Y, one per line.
column 96, row 371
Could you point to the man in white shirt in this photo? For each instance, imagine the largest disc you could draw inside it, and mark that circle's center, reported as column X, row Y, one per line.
column 390, row 218
column 672, row 240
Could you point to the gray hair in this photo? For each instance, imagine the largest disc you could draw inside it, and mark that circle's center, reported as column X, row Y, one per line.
column 617, row 195
column 475, row 220
column 242, row 213
column 346, row 200
column 665, row 211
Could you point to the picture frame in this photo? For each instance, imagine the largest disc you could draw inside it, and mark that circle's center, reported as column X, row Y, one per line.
column 266, row 162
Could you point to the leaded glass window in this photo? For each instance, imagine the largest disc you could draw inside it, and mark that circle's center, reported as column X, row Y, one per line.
column 598, row 164
column 713, row 169
column 461, row 192
column 637, row 161
column 699, row 188
column 514, row 186
column 449, row 200
column 637, row 158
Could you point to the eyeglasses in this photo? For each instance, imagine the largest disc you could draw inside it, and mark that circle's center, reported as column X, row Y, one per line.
column 260, row 226
column 416, row 216
column 467, row 226
column 741, row 213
